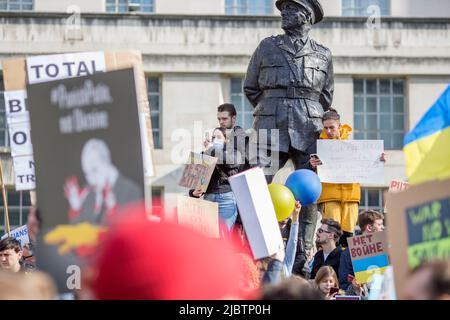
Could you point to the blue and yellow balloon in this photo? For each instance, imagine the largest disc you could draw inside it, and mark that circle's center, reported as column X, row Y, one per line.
column 305, row 185
column 283, row 201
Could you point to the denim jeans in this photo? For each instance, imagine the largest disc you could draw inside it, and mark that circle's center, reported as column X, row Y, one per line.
column 227, row 210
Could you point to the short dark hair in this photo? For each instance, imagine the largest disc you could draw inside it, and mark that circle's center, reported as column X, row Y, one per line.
column 331, row 114
column 10, row 243
column 368, row 218
column 227, row 107
column 334, row 227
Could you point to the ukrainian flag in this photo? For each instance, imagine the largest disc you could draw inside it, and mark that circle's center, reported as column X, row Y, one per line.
column 427, row 146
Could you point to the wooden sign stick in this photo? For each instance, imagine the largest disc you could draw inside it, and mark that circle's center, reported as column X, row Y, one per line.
column 5, row 202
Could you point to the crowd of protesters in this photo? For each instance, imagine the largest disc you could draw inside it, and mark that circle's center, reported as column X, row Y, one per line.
column 143, row 259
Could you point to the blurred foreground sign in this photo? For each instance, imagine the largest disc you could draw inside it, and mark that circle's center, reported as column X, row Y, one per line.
column 351, row 161
column 418, row 227
column 200, row 215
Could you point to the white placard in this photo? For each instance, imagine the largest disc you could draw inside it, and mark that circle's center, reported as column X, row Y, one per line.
column 20, row 234
column 24, row 173
column 20, row 139
column 257, row 212
column 351, row 161
column 146, row 153
column 61, row 66
column 15, row 103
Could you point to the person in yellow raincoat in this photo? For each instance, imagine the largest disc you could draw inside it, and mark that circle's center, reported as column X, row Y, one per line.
column 338, row 201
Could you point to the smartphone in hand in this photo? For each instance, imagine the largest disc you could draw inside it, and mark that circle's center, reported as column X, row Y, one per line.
column 333, row 290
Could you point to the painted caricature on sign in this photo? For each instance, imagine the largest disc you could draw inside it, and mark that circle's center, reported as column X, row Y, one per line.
column 106, row 189
column 88, row 153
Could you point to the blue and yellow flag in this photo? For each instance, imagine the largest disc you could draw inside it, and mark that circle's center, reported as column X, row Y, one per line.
column 427, row 146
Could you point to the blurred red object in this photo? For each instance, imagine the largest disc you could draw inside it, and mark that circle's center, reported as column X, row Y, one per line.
column 141, row 259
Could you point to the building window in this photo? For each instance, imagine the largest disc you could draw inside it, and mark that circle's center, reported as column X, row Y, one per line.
column 121, row 6
column 16, row 5
column 154, row 98
column 249, row 7
column 157, row 201
column 379, row 111
column 243, row 107
column 359, row 8
column 372, row 199
column 4, row 140
column 19, row 203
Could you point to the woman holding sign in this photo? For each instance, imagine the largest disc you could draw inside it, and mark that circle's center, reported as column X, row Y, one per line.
column 230, row 162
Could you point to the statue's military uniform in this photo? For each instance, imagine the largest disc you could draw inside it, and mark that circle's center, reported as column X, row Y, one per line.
column 290, row 84
column 290, row 89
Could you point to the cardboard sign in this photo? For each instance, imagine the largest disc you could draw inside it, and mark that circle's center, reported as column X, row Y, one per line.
column 88, row 165
column 25, row 178
column 61, row 66
column 418, row 227
column 396, row 186
column 200, row 215
column 351, row 161
column 20, row 234
column 257, row 212
column 369, row 255
column 198, row 171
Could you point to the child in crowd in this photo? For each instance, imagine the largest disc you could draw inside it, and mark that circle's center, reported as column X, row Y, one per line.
column 327, row 282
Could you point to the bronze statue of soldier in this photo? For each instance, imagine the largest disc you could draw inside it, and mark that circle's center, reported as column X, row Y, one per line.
column 290, row 84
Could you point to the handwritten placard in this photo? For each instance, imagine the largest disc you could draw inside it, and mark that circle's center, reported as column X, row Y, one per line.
column 369, row 255
column 396, row 186
column 351, row 161
column 198, row 171
column 200, row 215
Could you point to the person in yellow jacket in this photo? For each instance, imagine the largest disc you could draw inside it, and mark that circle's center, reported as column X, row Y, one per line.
column 338, row 201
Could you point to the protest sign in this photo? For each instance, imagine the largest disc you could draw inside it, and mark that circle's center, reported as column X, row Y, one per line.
column 62, row 66
column 88, row 154
column 20, row 138
column 198, row 214
column 20, row 234
column 44, row 68
column 198, row 171
column 396, row 186
column 25, row 178
column 369, row 255
column 351, row 161
column 15, row 103
column 257, row 212
column 418, row 227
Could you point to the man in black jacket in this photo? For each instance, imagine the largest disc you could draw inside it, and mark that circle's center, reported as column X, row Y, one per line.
column 327, row 236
